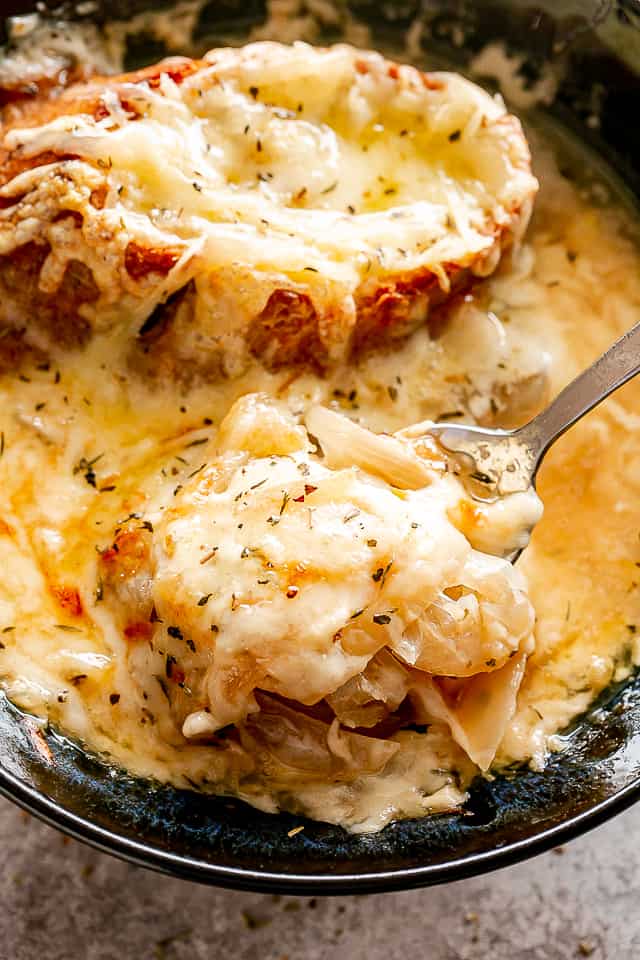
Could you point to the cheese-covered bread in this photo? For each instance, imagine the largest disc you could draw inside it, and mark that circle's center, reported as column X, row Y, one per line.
column 289, row 203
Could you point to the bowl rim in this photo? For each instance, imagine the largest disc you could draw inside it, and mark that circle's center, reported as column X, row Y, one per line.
column 143, row 854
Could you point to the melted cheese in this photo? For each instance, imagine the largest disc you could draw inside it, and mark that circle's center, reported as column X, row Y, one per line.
column 110, row 445
column 308, row 574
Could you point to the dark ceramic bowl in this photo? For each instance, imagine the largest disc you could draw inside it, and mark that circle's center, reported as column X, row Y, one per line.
column 595, row 44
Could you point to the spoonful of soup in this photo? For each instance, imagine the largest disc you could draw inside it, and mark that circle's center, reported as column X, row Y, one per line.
column 496, row 463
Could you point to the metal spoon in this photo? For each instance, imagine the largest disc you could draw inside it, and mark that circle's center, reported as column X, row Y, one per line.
column 495, row 463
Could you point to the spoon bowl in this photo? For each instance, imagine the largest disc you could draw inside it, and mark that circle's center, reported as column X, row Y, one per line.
column 496, row 463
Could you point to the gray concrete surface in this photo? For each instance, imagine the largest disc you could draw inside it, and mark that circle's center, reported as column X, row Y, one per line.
column 62, row 901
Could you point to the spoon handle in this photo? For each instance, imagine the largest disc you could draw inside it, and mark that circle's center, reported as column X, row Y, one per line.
column 618, row 364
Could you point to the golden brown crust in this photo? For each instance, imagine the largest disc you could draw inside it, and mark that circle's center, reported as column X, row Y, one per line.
column 21, row 298
column 30, row 105
column 287, row 327
column 128, row 555
column 140, row 261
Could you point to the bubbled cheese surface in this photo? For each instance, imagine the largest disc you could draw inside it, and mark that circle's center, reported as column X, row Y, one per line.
column 86, row 446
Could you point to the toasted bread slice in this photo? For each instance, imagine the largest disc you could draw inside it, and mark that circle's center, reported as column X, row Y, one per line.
column 290, row 203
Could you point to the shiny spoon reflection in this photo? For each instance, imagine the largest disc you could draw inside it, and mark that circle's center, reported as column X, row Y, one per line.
column 495, row 463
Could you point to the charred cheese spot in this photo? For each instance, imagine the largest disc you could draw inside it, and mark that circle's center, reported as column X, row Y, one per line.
column 68, row 598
